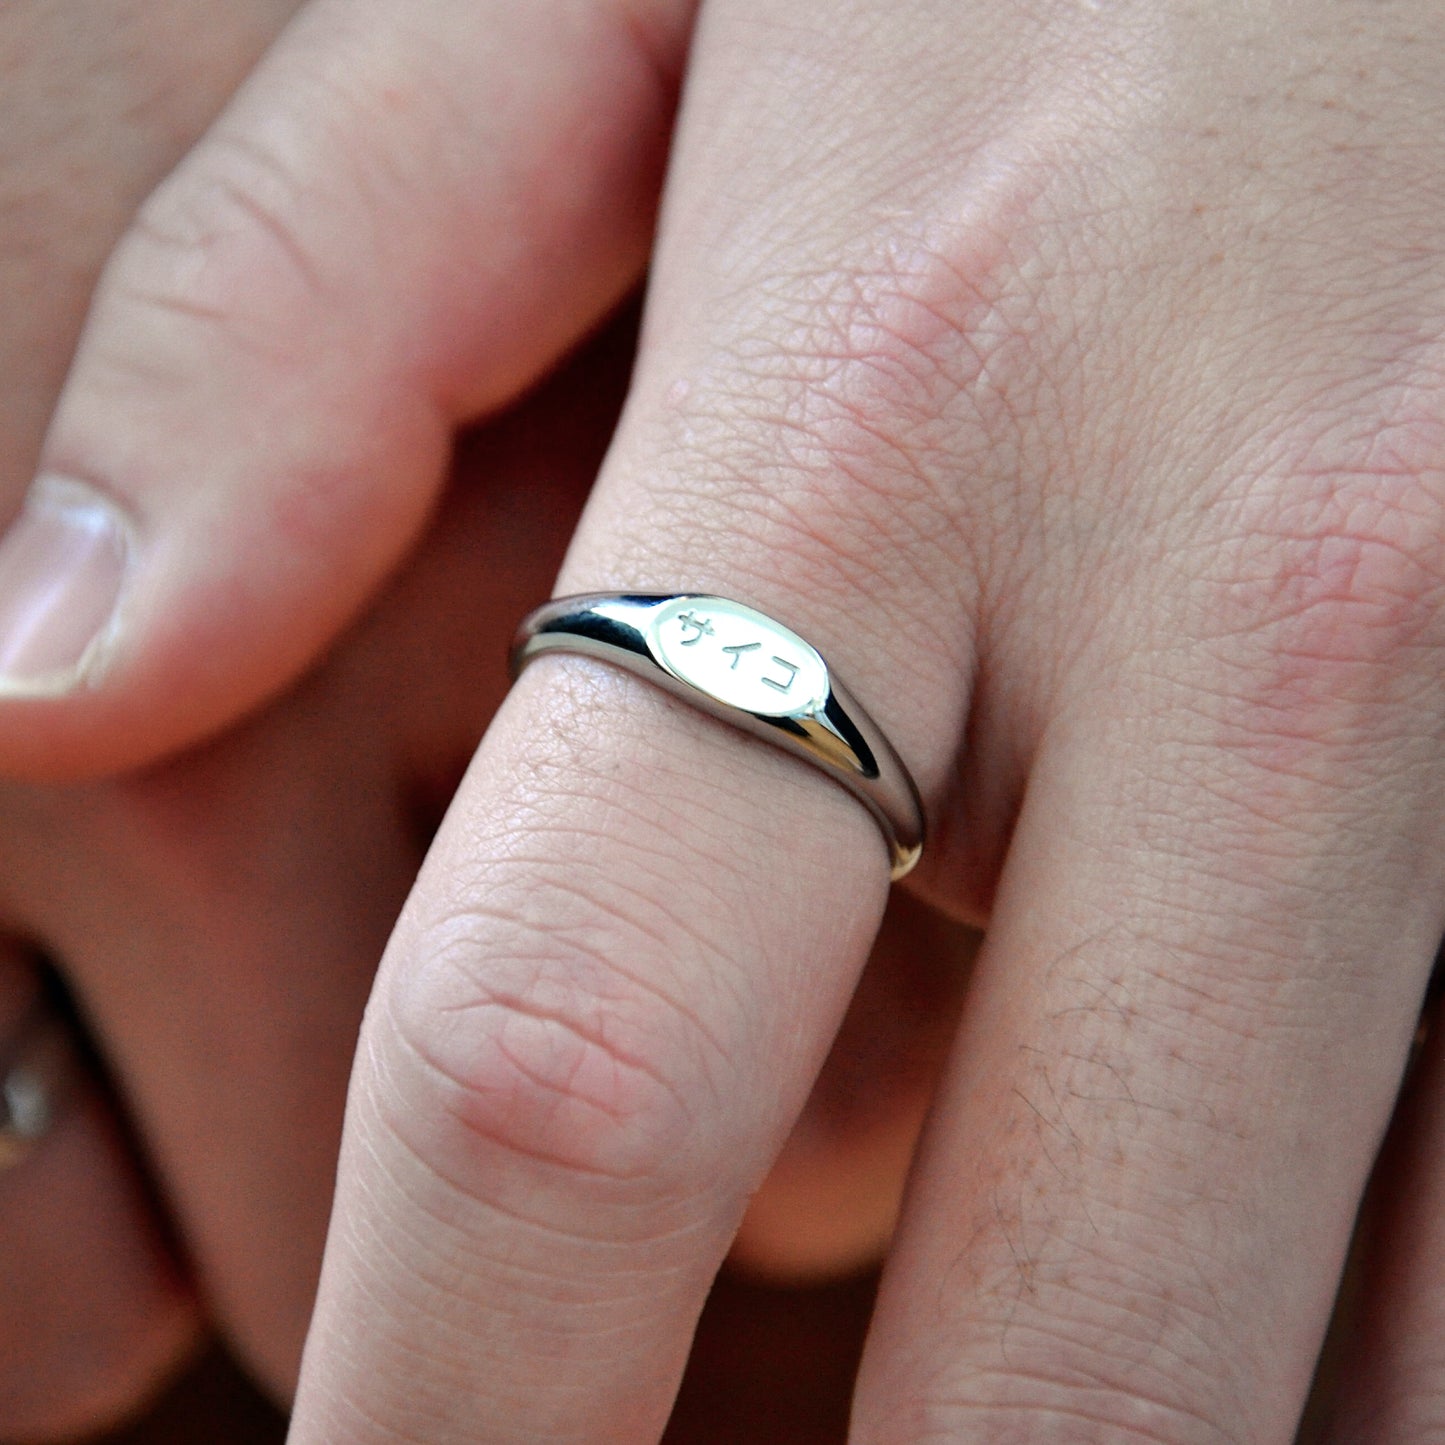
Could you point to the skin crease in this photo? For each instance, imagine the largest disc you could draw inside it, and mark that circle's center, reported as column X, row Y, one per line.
column 177, row 901
column 1097, row 352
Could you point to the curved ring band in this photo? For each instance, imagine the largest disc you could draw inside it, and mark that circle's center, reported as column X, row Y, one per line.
column 742, row 667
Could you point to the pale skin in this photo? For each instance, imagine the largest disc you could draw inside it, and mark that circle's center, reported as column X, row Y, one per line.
column 1070, row 375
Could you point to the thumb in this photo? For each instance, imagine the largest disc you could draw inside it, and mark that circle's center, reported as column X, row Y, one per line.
column 402, row 219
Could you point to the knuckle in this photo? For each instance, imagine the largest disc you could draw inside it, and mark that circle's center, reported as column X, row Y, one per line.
column 1331, row 588
column 221, row 246
column 1355, row 511
column 543, row 1055
column 1359, row 573
column 848, row 410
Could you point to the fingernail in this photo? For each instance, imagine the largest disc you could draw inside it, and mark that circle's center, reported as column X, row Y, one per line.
column 61, row 567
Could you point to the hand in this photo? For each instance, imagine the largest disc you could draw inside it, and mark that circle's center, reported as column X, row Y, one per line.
column 1069, row 376
column 178, row 901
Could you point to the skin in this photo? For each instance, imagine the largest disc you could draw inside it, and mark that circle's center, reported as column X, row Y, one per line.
column 188, row 1188
column 1070, row 376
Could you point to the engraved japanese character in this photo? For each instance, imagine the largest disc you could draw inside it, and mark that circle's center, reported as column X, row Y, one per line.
column 792, row 673
column 738, row 648
column 702, row 625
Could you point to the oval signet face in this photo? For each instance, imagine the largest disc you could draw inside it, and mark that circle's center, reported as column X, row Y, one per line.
column 738, row 656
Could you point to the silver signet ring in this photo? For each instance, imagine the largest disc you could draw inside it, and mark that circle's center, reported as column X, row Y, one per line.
column 748, row 670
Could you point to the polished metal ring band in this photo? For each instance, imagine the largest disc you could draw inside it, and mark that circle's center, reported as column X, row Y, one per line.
column 739, row 665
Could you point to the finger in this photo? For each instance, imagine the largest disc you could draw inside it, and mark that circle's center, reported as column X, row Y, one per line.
column 401, row 220
column 577, row 1110
column 95, row 1312
column 1384, row 1382
column 638, row 930
column 1135, row 1195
